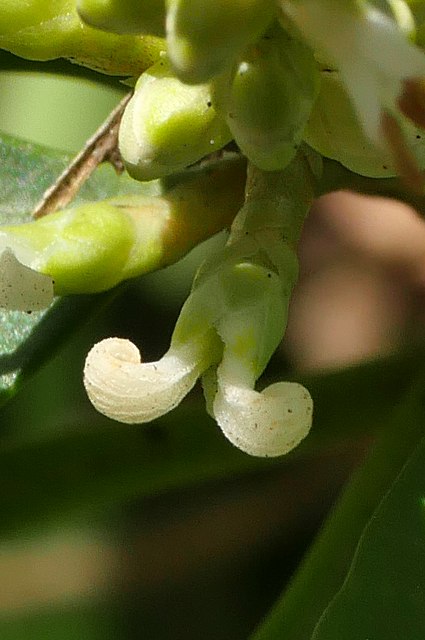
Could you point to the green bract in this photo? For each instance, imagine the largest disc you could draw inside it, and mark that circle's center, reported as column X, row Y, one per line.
column 124, row 16
column 268, row 97
column 204, row 37
column 168, row 125
column 95, row 246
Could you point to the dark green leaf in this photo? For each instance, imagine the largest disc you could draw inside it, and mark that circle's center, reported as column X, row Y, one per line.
column 328, row 563
column 77, row 621
column 383, row 596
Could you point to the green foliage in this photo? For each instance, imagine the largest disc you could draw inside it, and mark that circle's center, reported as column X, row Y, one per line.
column 396, row 588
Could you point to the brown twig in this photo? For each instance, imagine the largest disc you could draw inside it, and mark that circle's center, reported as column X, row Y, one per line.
column 102, row 146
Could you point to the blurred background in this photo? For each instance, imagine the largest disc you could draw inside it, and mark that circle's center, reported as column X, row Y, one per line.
column 207, row 559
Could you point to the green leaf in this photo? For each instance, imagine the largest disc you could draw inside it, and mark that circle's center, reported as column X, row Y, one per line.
column 27, row 169
column 383, row 596
column 329, row 561
column 27, row 341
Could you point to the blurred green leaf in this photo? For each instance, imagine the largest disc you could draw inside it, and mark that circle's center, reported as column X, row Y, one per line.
column 383, row 596
column 100, row 468
column 71, row 622
column 328, row 563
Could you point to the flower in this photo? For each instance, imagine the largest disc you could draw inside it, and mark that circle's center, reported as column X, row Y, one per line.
column 228, row 328
column 383, row 72
column 235, row 315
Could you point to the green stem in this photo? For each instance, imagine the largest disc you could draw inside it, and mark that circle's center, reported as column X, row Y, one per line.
column 280, row 199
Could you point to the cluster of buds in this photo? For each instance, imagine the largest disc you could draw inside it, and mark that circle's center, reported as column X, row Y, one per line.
column 345, row 78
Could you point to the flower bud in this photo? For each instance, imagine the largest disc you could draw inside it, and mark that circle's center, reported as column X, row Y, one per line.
column 94, row 246
column 204, row 37
column 123, row 388
column 255, row 306
column 269, row 98
column 266, row 424
column 45, row 30
column 168, row 125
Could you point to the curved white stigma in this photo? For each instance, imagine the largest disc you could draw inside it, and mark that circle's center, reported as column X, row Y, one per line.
column 123, row 388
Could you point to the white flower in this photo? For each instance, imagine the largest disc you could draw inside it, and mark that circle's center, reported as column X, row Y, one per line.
column 236, row 314
column 384, row 73
column 227, row 331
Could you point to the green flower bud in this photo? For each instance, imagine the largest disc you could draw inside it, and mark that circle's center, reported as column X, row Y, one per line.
column 45, row 30
column 204, row 36
column 168, row 125
column 269, row 98
column 124, row 16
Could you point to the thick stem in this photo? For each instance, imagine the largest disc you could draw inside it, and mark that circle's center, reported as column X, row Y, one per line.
column 278, row 200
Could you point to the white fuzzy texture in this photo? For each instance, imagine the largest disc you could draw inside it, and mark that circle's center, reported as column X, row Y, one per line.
column 123, row 388
column 22, row 288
